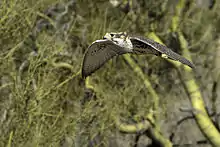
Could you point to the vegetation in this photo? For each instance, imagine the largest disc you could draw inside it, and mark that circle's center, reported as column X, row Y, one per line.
column 132, row 100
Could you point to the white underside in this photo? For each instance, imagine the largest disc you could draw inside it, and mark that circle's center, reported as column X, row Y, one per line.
column 125, row 43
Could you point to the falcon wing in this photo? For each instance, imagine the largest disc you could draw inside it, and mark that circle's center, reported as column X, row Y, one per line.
column 144, row 45
column 98, row 54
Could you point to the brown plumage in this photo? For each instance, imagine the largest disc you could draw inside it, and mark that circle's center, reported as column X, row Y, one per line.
column 97, row 54
column 148, row 46
column 100, row 51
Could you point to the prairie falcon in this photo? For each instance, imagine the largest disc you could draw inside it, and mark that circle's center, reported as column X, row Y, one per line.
column 112, row 44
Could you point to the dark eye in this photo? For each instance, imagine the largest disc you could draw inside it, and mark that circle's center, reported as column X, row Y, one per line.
column 112, row 35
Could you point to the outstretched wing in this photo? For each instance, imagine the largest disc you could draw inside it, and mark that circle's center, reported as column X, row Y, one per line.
column 144, row 45
column 98, row 54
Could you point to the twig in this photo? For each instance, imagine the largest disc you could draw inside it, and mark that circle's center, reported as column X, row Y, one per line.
column 147, row 83
column 204, row 122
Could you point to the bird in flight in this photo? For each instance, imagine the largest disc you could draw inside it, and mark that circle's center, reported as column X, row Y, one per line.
column 114, row 44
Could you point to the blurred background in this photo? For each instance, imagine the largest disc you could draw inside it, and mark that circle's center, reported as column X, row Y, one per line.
column 44, row 102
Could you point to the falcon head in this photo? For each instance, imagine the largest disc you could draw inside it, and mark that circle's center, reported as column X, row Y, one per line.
column 120, row 38
column 112, row 35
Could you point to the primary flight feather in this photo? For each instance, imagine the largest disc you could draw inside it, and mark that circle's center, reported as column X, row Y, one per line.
column 98, row 53
column 112, row 44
